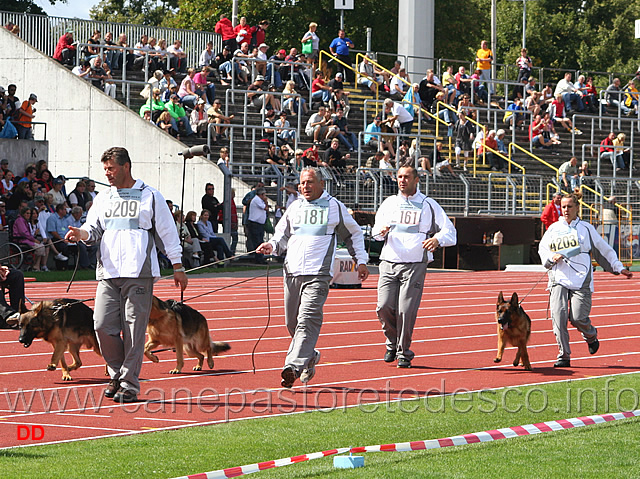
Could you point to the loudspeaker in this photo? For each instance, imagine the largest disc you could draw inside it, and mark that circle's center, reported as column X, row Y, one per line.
column 201, row 150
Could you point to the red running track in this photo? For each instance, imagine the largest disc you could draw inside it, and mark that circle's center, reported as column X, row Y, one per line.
column 454, row 341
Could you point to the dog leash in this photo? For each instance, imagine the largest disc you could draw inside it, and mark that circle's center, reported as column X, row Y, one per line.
column 255, row 346
column 532, row 288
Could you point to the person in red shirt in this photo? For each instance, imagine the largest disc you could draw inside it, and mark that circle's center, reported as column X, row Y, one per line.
column 551, row 212
column 224, row 27
column 65, row 49
column 241, row 27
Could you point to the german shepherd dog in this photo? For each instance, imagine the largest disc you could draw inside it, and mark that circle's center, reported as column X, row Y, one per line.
column 66, row 324
column 179, row 326
column 514, row 326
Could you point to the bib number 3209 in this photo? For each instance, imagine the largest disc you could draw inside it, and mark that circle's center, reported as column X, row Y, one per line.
column 122, row 209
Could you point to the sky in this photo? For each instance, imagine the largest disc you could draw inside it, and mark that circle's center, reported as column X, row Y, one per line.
column 71, row 9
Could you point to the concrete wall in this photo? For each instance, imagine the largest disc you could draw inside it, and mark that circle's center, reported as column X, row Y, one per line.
column 82, row 122
column 23, row 152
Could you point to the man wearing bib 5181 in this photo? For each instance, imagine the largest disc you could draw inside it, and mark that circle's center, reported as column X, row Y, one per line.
column 565, row 250
column 307, row 231
column 412, row 226
column 130, row 219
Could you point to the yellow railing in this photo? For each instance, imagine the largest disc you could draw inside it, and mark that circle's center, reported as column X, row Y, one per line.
column 507, row 159
column 518, row 147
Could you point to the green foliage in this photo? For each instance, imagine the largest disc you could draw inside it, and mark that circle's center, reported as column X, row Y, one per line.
column 141, row 12
column 460, row 26
column 23, row 6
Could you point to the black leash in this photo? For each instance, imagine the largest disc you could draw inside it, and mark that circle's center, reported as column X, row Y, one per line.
column 532, row 288
column 73, row 276
column 253, row 352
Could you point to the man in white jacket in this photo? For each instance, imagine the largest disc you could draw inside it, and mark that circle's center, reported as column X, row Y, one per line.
column 307, row 231
column 412, row 226
column 565, row 250
column 129, row 220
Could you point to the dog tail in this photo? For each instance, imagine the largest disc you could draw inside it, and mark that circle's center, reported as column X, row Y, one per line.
column 219, row 347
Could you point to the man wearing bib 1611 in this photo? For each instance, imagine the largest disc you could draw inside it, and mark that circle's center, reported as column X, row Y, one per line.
column 565, row 250
column 307, row 231
column 131, row 219
column 412, row 226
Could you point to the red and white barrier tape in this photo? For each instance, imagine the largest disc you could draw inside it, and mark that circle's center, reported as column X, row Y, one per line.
column 476, row 437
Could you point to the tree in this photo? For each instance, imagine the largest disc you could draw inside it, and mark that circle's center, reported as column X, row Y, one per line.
column 24, row 6
column 140, row 12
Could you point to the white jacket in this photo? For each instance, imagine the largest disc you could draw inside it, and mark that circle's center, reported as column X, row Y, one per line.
column 307, row 231
column 129, row 222
column 574, row 271
column 412, row 220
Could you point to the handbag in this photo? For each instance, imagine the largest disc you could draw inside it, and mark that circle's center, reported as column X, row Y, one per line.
column 9, row 131
column 307, row 47
column 268, row 226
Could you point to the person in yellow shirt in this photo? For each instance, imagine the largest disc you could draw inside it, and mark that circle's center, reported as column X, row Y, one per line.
column 484, row 58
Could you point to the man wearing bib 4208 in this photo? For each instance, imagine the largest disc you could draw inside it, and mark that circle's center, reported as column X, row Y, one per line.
column 307, row 231
column 565, row 250
column 412, row 226
column 130, row 219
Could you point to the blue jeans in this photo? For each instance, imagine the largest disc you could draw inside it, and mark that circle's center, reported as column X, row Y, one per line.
column 348, row 139
column 210, row 91
column 324, row 95
column 273, row 76
column 567, row 98
column 189, row 100
column 185, row 121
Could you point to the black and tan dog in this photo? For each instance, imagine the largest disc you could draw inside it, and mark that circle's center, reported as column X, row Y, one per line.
column 65, row 323
column 514, row 327
column 179, row 326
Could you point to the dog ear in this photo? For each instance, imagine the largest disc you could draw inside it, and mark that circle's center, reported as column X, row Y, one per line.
column 22, row 308
column 500, row 299
column 514, row 299
column 38, row 307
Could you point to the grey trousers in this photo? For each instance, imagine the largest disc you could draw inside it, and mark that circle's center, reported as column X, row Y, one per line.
column 120, row 317
column 578, row 314
column 304, row 298
column 399, row 294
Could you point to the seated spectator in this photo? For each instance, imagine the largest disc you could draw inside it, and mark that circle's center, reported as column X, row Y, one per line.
column 206, row 250
column 288, row 135
column 311, row 156
column 557, row 113
column 429, row 88
column 261, row 54
column 7, row 183
column 532, row 104
column 631, row 97
column 623, row 155
column 271, row 157
column 89, row 52
column 207, row 235
column 339, row 100
column 541, row 133
column 463, row 82
column 205, row 89
column 86, row 254
column 223, row 58
column 398, row 85
column 112, row 55
column 23, row 235
column 374, row 139
column 207, row 56
column 291, row 102
column 297, row 162
column 240, row 67
column 157, row 54
column 370, row 76
column 65, row 51
column 199, row 119
column 258, row 96
column 99, row 77
column 187, row 91
column 190, row 246
column 613, row 97
column 216, row 116
column 318, row 127
column 569, row 93
column 275, row 70
column 512, row 117
column 502, row 148
column 320, row 91
column 83, row 70
column 78, row 196
column 167, row 81
column 177, row 58
column 479, row 89
column 591, row 96
column 178, row 115
column 496, row 162
column 140, row 58
column 269, row 131
column 165, row 123
column 333, row 156
column 568, row 173
column 153, row 105
column 584, row 172
column 57, row 227
column 346, row 137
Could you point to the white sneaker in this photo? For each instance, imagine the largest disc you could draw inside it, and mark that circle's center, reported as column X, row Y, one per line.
column 61, row 257
column 44, row 268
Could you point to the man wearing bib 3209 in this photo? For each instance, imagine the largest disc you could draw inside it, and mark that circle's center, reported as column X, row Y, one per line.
column 307, row 231
column 412, row 227
column 130, row 219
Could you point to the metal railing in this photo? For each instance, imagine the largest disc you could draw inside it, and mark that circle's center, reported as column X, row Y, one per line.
column 42, row 32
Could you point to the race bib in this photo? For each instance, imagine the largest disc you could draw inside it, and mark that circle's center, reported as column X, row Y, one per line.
column 312, row 218
column 407, row 217
column 566, row 243
column 123, row 210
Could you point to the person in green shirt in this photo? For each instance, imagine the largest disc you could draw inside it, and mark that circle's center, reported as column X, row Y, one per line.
column 178, row 115
column 153, row 104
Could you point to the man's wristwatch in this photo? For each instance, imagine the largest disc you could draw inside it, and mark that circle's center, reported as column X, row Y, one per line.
column 179, row 270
